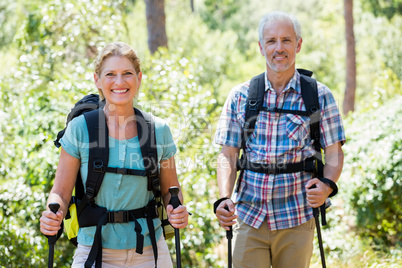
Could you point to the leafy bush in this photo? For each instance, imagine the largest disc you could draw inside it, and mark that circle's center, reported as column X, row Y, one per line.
column 373, row 172
column 22, row 243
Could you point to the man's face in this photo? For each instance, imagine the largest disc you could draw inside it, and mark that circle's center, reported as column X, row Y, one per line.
column 279, row 46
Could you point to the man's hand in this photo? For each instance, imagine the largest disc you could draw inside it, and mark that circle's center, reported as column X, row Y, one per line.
column 317, row 196
column 227, row 216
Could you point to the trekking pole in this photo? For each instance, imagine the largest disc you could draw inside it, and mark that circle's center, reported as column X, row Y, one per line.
column 174, row 200
column 316, row 213
column 54, row 207
column 317, row 225
column 229, row 236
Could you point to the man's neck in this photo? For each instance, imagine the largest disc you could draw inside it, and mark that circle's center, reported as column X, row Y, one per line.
column 280, row 80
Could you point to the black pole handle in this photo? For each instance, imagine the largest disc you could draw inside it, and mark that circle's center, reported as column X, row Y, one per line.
column 174, row 196
column 229, row 236
column 54, row 207
column 175, row 202
column 316, row 212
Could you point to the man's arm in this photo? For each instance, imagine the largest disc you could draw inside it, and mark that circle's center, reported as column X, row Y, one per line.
column 226, row 174
column 332, row 170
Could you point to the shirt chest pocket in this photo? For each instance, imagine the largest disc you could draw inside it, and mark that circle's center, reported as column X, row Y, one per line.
column 297, row 127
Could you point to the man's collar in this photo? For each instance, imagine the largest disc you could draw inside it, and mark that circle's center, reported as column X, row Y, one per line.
column 294, row 83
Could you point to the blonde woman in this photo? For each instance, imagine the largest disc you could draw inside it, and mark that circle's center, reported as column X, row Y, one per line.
column 118, row 78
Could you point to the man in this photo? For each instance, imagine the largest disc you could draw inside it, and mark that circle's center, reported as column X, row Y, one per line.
column 272, row 213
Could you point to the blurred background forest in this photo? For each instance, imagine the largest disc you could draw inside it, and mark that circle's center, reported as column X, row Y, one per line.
column 193, row 52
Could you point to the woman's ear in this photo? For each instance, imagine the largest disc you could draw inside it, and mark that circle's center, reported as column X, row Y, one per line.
column 139, row 75
column 97, row 82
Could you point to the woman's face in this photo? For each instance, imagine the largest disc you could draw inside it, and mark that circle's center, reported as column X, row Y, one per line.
column 118, row 80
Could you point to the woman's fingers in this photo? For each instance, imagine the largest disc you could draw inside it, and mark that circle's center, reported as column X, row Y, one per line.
column 178, row 217
column 50, row 222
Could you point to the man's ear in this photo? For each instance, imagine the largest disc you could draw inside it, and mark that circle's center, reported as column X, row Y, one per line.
column 299, row 44
column 261, row 49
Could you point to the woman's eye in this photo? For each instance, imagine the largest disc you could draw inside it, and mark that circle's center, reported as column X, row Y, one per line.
column 128, row 73
column 110, row 74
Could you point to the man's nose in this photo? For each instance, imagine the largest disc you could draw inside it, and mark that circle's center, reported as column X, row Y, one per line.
column 279, row 46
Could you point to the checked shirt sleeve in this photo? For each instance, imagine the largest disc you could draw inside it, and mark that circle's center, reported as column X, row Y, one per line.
column 229, row 129
column 331, row 126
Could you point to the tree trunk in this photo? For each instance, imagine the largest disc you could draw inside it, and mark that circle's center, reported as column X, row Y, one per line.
column 156, row 23
column 350, row 90
column 192, row 5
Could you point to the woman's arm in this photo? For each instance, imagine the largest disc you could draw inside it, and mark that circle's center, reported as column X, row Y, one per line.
column 63, row 186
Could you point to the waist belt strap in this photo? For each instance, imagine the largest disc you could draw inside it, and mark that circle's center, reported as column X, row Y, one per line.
column 124, row 216
column 276, row 168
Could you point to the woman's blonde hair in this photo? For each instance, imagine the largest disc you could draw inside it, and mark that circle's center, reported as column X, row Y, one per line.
column 120, row 49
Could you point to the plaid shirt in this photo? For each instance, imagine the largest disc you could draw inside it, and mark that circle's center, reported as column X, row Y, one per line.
column 277, row 138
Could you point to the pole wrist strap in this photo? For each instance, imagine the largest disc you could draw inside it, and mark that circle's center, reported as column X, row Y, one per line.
column 217, row 203
column 332, row 184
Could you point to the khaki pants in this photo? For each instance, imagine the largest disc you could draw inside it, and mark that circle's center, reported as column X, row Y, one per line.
column 118, row 258
column 261, row 248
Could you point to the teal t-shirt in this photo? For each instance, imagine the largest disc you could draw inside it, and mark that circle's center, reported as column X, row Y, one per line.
column 119, row 192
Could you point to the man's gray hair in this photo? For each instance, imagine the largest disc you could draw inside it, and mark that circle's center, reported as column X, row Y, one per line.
column 279, row 16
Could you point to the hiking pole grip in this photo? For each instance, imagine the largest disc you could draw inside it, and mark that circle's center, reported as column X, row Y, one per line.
column 175, row 202
column 229, row 236
column 54, row 207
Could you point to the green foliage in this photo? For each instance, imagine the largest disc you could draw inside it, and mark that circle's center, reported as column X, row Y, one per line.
column 374, row 168
column 22, row 244
column 54, row 43
column 217, row 12
column 387, row 8
column 9, row 11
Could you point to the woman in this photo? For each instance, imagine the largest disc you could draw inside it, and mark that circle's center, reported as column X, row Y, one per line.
column 118, row 78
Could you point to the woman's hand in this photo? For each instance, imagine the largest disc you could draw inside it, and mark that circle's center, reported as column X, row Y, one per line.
column 50, row 222
column 178, row 217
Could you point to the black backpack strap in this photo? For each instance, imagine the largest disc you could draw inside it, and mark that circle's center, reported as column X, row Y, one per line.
column 98, row 151
column 254, row 103
column 309, row 92
column 147, row 140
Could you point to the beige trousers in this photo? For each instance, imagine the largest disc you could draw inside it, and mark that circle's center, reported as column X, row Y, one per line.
column 128, row 258
column 263, row 248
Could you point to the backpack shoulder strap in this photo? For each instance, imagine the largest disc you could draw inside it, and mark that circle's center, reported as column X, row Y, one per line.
column 254, row 103
column 147, row 140
column 98, row 151
column 309, row 92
